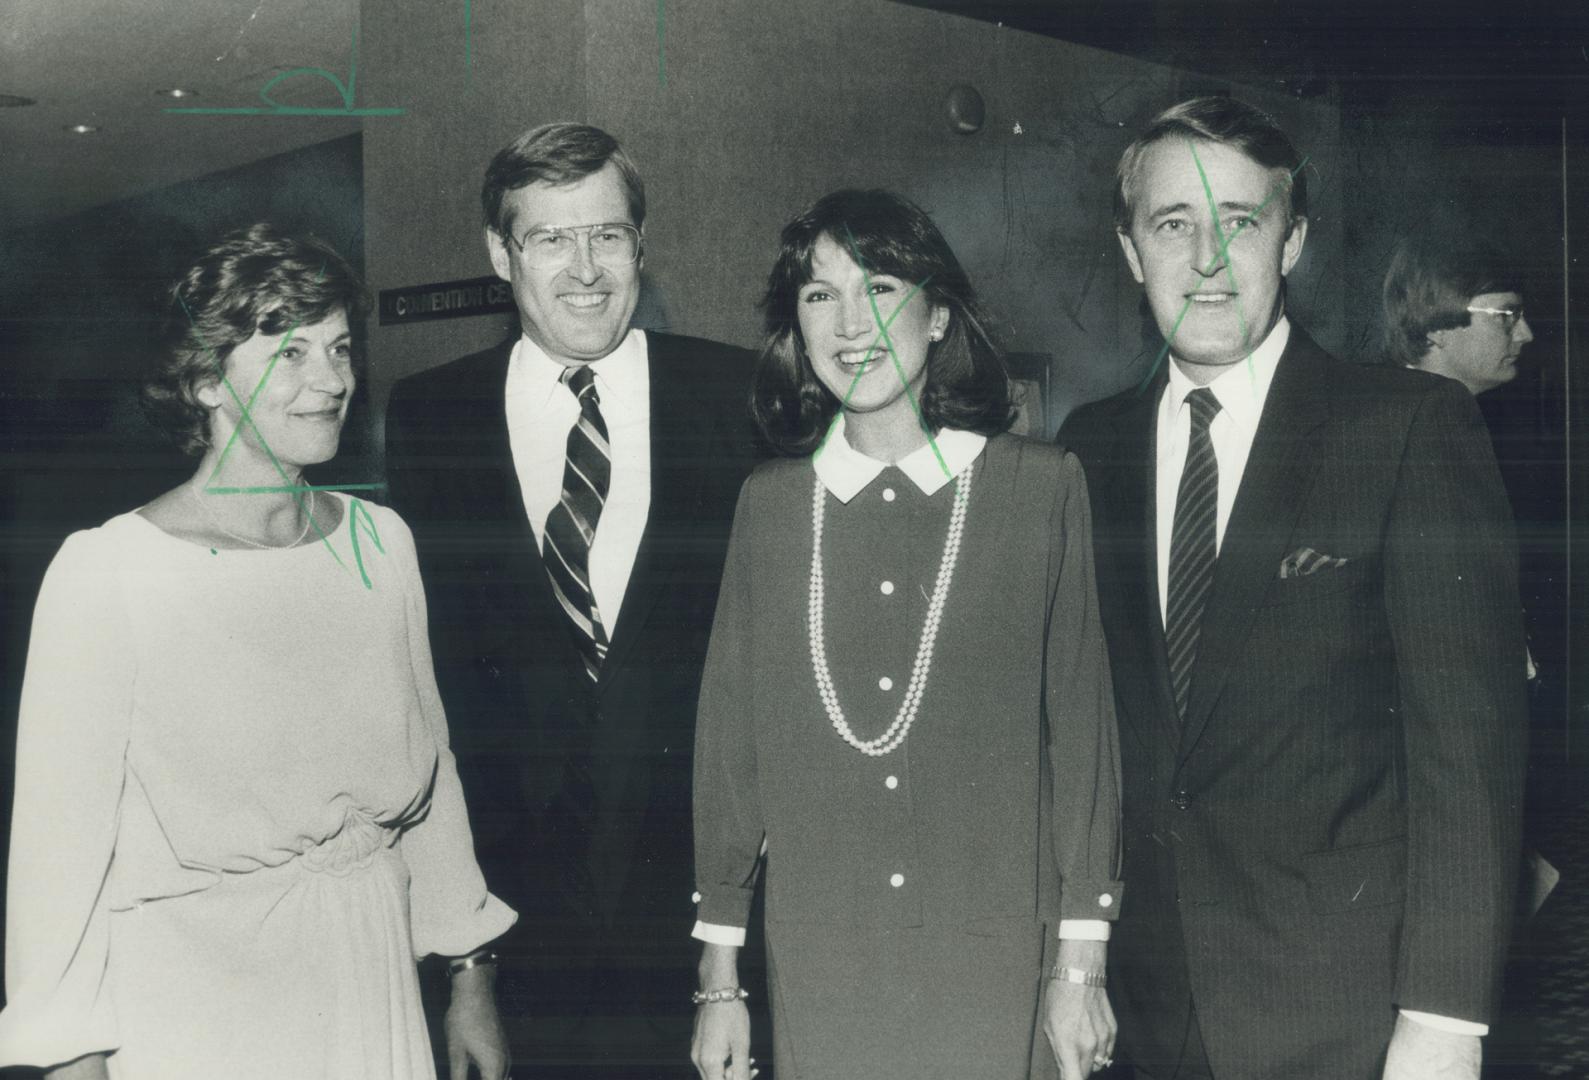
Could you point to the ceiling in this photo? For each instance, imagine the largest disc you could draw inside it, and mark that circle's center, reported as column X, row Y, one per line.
column 104, row 63
column 1518, row 57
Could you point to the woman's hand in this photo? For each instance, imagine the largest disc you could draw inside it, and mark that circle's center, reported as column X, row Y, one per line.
column 1078, row 1019
column 721, row 1047
column 474, row 1029
column 88, row 1067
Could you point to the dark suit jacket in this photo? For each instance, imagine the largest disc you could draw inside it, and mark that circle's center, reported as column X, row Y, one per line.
column 1334, row 833
column 614, row 890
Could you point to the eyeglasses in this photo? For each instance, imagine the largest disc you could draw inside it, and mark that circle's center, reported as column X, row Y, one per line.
column 610, row 245
column 1509, row 317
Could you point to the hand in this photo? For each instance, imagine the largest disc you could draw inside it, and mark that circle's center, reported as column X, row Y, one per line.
column 721, row 1046
column 1421, row 1052
column 88, row 1067
column 473, row 1027
column 1078, row 1019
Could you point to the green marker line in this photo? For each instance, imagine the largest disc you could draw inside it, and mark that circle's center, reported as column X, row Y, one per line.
column 346, row 91
column 914, row 289
column 1223, row 249
column 1224, row 244
column 288, row 110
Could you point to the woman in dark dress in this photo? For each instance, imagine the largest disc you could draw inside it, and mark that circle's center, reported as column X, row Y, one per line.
column 906, row 723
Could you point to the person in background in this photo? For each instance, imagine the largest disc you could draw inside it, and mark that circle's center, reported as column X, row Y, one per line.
column 571, row 491
column 1455, row 307
column 237, row 821
column 906, row 715
column 1309, row 586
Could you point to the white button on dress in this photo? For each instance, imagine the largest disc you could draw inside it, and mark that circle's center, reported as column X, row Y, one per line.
column 1106, row 900
column 891, row 783
column 888, row 494
column 897, row 880
column 886, row 588
column 885, row 683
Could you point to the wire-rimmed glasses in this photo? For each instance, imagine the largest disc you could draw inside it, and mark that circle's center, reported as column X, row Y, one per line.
column 548, row 247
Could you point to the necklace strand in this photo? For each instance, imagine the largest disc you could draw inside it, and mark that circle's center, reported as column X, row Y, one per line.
column 895, row 735
column 308, row 520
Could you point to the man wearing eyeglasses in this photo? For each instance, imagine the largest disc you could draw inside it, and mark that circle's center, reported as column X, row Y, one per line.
column 1455, row 309
column 571, row 492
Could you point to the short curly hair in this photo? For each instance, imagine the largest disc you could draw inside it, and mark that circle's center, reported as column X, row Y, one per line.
column 257, row 280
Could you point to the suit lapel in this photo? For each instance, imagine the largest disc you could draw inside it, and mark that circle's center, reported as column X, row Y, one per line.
column 1273, row 491
column 678, row 449
column 1131, row 493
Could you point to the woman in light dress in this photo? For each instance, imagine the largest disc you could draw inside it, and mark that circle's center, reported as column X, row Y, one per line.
column 237, row 822
column 906, row 709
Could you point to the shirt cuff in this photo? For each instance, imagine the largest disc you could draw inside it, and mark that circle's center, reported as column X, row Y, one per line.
column 1447, row 1023
column 1083, row 930
column 717, row 934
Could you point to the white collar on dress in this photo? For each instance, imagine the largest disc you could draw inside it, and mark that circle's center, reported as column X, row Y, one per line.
column 845, row 471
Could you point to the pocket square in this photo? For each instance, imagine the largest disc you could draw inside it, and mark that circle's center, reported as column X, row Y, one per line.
column 1304, row 561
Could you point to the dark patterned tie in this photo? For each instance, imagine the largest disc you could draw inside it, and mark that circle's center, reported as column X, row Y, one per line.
column 1193, row 546
column 571, row 526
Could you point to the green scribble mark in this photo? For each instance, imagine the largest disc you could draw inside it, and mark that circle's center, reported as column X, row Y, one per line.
column 1224, row 241
column 246, row 416
column 662, row 68
column 914, row 289
column 276, row 108
column 1224, row 247
column 275, row 489
column 355, row 509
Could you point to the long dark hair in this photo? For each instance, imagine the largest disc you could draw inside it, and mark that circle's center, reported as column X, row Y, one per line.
column 967, row 386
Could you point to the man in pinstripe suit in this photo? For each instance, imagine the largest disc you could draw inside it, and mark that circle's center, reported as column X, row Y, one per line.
column 1308, row 586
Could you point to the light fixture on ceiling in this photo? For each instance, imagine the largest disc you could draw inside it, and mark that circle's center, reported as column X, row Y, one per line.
column 81, row 129
column 15, row 101
column 177, row 92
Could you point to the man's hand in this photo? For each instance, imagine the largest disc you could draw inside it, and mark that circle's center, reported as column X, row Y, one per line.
column 721, row 1046
column 1078, row 1019
column 473, row 1027
column 1421, row 1052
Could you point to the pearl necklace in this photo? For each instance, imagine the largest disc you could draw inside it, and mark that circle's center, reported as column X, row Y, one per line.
column 889, row 740
column 308, row 520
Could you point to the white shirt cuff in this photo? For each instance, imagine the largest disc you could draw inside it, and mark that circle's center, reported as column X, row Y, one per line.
column 715, row 934
column 1083, row 930
column 1447, row 1023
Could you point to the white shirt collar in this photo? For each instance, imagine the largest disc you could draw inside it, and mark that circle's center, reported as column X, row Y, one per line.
column 1242, row 389
column 845, row 471
column 620, row 375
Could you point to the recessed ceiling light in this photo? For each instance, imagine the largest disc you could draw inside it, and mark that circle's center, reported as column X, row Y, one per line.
column 14, row 101
column 81, row 129
column 177, row 92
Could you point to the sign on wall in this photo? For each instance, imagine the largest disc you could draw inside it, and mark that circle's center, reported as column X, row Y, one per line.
column 445, row 300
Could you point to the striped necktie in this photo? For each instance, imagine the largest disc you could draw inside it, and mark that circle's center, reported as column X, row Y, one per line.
column 1193, row 546
column 571, row 526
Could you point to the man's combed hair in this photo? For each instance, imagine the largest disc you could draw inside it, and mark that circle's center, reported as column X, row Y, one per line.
column 966, row 387
column 556, row 154
column 1220, row 120
column 1429, row 284
column 257, row 280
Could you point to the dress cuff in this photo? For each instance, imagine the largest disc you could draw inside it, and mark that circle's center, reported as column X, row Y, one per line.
column 723, row 906
column 1083, row 930
column 1447, row 1023
column 717, row 934
column 1084, row 900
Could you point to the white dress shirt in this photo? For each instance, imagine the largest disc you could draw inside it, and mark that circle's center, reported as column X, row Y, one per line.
column 846, row 472
column 1241, row 393
column 541, row 410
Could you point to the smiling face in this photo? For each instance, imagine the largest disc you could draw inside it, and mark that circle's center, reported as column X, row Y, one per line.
column 1483, row 354
column 1212, row 257
column 849, row 354
column 580, row 311
column 300, row 408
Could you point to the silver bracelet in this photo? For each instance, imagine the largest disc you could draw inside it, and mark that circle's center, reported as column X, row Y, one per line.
column 1080, row 975
column 474, row 959
column 722, row 993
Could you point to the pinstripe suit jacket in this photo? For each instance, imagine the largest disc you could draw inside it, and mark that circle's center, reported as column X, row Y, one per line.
column 1333, row 832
